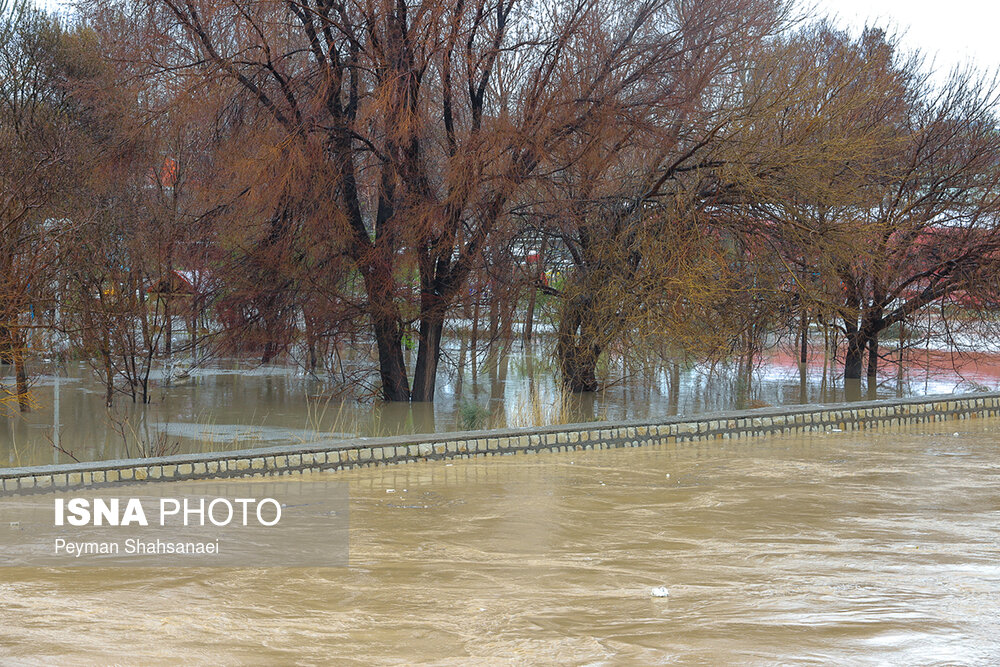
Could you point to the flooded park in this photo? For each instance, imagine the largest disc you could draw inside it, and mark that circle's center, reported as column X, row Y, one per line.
column 231, row 404
column 825, row 548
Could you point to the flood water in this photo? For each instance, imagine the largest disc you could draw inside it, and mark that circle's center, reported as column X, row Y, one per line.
column 839, row 548
column 235, row 405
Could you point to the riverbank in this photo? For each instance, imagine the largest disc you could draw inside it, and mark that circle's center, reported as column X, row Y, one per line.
column 368, row 452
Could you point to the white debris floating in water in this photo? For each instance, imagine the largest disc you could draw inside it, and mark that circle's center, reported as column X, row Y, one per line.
column 660, row 592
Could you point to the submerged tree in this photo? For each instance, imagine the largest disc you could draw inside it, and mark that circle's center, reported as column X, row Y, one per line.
column 406, row 133
column 883, row 199
column 39, row 159
column 704, row 176
column 632, row 209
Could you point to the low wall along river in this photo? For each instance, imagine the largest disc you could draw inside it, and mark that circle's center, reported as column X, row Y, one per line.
column 366, row 452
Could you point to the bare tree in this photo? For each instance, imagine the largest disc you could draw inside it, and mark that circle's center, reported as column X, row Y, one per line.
column 409, row 131
column 37, row 173
column 885, row 202
column 630, row 204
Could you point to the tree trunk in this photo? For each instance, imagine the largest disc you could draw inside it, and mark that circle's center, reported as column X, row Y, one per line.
column 428, row 356
column 858, row 339
column 855, row 354
column 498, row 386
column 474, row 343
column 109, row 387
column 900, row 365
column 577, row 351
column 460, row 377
column 168, row 326
column 392, row 368
column 387, row 329
column 21, row 381
column 193, row 337
column 310, row 341
column 440, row 286
column 579, row 367
column 268, row 353
column 803, row 385
column 804, row 339
column 873, row 356
column 494, row 315
column 675, row 388
column 529, row 317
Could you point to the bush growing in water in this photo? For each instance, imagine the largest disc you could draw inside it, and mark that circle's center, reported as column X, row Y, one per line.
column 473, row 416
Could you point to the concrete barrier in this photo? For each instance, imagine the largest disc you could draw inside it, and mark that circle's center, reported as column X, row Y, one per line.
column 364, row 452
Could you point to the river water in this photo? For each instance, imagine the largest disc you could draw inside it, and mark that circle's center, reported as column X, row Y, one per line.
column 880, row 547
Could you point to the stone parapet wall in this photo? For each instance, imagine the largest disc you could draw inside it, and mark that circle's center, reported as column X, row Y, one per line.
column 363, row 452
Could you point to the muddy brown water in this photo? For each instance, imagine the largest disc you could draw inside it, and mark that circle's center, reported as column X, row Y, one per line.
column 843, row 548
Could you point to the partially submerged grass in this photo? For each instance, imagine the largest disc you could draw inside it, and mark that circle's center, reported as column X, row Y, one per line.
column 537, row 408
